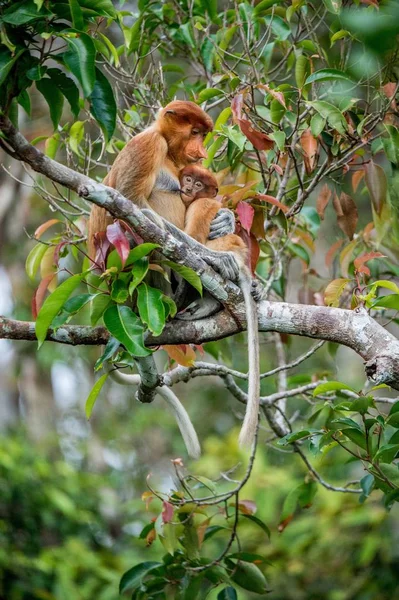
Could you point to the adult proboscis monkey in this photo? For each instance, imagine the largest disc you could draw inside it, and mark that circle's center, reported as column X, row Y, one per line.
column 198, row 190
column 146, row 171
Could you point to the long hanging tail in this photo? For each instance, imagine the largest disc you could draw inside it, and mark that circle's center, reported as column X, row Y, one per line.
column 182, row 419
column 250, row 423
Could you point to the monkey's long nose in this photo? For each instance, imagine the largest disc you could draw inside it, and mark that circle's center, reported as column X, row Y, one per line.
column 202, row 153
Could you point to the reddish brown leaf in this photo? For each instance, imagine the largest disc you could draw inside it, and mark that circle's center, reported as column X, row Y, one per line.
column 38, row 296
column 309, row 146
column 44, row 226
column 277, row 168
column 253, row 248
column 167, row 511
column 347, row 215
column 258, row 224
column 247, row 507
column 284, row 523
column 359, row 262
column 389, row 91
column 236, row 107
column 356, row 179
column 279, row 96
column 322, row 200
column 258, row 139
column 102, row 245
column 272, row 200
column 118, row 239
column 201, row 530
column 151, row 535
column 367, row 231
column 57, row 251
column 376, row 182
column 182, row 354
column 332, row 251
column 147, row 497
column 245, row 213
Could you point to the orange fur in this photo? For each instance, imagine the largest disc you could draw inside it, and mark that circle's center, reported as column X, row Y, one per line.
column 172, row 142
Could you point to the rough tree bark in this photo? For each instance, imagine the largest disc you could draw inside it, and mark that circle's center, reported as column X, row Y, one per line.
column 355, row 329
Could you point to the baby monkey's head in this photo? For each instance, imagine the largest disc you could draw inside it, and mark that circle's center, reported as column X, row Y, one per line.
column 197, row 182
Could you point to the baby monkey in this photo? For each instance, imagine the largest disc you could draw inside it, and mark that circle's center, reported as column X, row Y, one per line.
column 199, row 188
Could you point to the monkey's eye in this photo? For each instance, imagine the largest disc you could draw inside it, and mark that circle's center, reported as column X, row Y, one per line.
column 195, row 131
column 188, row 179
column 198, row 184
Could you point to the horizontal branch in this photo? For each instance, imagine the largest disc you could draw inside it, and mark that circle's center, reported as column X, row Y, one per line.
column 355, row 329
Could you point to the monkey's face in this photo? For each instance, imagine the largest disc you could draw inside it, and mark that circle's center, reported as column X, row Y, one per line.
column 194, row 149
column 190, row 188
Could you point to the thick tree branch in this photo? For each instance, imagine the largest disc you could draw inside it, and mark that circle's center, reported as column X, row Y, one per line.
column 355, row 329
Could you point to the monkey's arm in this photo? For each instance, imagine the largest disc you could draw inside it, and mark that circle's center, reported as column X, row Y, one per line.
column 133, row 174
column 135, row 169
column 223, row 262
column 223, row 224
column 199, row 216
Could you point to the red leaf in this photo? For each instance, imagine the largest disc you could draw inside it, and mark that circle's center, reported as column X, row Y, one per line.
column 118, row 239
column 167, row 511
column 102, row 245
column 183, row 355
column 347, row 215
column 245, row 213
column 360, row 261
column 253, row 248
column 38, row 296
column 44, row 226
column 272, row 200
column 322, row 200
column 258, row 139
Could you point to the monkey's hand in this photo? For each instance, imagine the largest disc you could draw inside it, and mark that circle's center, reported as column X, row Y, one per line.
column 223, row 224
column 257, row 290
column 223, row 263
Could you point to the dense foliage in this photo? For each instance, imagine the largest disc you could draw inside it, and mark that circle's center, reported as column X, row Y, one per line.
column 306, row 130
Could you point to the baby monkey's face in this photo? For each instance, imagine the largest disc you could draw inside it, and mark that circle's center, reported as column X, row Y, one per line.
column 191, row 189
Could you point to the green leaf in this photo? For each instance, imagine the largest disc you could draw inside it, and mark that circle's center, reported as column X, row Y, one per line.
column 76, row 134
column 67, row 87
column 92, row 397
column 133, row 578
column 258, row 522
column 348, row 422
column 23, row 12
column 112, row 49
column 98, row 306
column 331, row 386
column 34, row 259
column 317, row 124
column 140, row 251
column 139, row 270
column 208, row 94
column 327, row 75
column 356, row 436
column 279, row 27
column 99, row 7
column 103, row 105
column 367, row 484
column 386, row 453
column 212, row 10
column 293, row 437
column 330, row 112
column 248, row 576
column 24, row 101
column 77, row 15
column 170, row 306
column 6, row 62
column 53, row 97
column 111, row 347
column 302, row 68
column 53, row 304
column 151, row 308
column 126, row 327
column 227, row 593
column 298, row 251
column 80, row 60
column 187, row 274
column 119, row 291
column 264, row 6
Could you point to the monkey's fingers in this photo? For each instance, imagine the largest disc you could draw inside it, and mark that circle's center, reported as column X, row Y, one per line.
column 224, row 263
column 257, row 290
column 222, row 224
